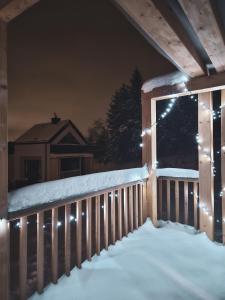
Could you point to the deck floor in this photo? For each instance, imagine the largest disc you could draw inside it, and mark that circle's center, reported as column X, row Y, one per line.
column 172, row 262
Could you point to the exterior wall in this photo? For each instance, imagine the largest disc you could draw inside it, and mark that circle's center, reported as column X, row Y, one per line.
column 29, row 151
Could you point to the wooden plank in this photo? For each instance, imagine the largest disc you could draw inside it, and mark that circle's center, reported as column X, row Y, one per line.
column 160, row 198
column 120, row 214
column 97, row 224
column 195, row 194
column 203, row 21
column 78, row 233
column 4, row 259
column 153, row 25
column 67, row 239
column 206, row 179
column 23, row 258
column 168, row 199
column 186, row 202
column 131, row 208
column 88, row 228
column 40, row 252
column 141, row 204
column 14, row 8
column 3, row 123
column 113, row 217
column 125, row 210
column 54, row 245
column 177, row 201
column 106, row 220
column 136, row 214
column 223, row 160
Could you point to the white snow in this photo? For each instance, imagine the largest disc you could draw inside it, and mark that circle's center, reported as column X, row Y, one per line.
column 51, row 191
column 177, row 173
column 173, row 262
column 169, row 79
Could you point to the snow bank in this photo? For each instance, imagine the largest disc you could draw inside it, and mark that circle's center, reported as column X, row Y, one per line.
column 177, row 173
column 169, row 79
column 51, row 191
column 156, row 264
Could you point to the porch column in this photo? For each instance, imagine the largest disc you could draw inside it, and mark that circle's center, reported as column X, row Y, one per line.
column 223, row 159
column 4, row 226
column 206, row 182
column 149, row 156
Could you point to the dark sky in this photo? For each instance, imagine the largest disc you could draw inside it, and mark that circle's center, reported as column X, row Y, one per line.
column 69, row 57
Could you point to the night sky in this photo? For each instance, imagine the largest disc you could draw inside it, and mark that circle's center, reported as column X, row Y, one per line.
column 69, row 57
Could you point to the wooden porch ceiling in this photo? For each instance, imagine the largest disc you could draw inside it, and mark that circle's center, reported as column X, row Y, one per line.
column 193, row 40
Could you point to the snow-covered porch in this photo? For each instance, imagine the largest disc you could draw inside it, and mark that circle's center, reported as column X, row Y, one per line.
column 171, row 262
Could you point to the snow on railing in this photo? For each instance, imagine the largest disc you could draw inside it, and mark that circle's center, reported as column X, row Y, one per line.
column 177, row 173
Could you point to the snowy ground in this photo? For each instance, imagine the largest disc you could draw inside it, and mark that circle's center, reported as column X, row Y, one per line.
column 172, row 263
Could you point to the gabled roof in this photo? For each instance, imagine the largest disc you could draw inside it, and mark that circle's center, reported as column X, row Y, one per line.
column 45, row 132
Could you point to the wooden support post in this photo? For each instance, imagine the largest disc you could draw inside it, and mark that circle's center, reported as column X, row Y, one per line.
column 168, row 198
column 88, row 229
column 40, row 252
column 54, row 245
column 125, row 210
column 67, row 239
column 120, row 214
column 223, row 159
column 206, row 186
column 136, row 214
column 106, row 220
column 97, row 224
column 195, row 194
column 78, row 233
column 185, row 202
column 23, row 258
column 177, row 201
column 113, row 217
column 160, row 198
column 131, row 208
column 4, row 226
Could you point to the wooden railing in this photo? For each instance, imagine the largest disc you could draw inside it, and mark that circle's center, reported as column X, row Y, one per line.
column 178, row 200
column 81, row 227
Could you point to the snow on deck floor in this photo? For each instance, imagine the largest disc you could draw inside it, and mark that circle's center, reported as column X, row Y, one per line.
column 172, row 263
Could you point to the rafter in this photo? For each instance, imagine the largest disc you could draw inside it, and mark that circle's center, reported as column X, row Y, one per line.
column 13, row 8
column 203, row 21
column 153, row 24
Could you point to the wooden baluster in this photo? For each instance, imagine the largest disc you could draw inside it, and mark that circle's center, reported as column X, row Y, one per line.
column 136, row 207
column 125, row 206
column 88, row 229
column 168, row 199
column 120, row 214
column 54, row 245
column 23, row 258
column 4, row 258
column 40, row 252
column 67, row 239
column 113, row 217
column 160, row 198
column 106, row 221
column 177, row 201
column 186, row 202
column 195, row 192
column 141, row 203
column 97, row 224
column 78, row 232
column 131, row 208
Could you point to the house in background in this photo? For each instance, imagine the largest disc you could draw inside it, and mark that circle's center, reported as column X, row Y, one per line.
column 49, row 151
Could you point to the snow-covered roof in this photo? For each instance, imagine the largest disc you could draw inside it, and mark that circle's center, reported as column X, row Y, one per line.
column 177, row 173
column 44, row 132
column 47, row 192
column 169, row 79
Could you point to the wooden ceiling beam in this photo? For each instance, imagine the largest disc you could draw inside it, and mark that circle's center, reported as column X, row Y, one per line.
column 151, row 21
column 13, row 8
column 201, row 16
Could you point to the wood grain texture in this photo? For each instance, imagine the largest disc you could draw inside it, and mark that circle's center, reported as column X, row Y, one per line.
column 131, row 209
column 203, row 21
column 40, row 252
column 177, row 201
column 67, row 239
column 97, row 225
column 136, row 210
column 88, row 228
column 146, row 15
column 78, row 233
column 125, row 210
column 23, row 259
column 186, row 202
column 106, row 221
column 120, row 214
column 168, row 199
column 54, row 245
column 4, row 259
